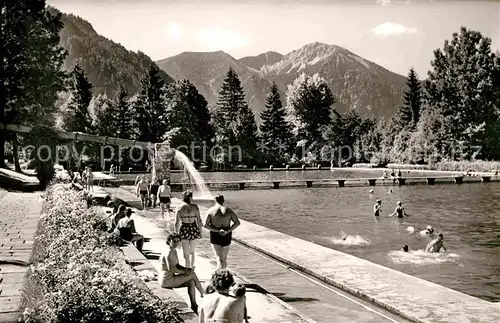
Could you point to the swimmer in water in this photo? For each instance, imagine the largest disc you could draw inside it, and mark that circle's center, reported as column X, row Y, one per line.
column 428, row 231
column 400, row 211
column 405, row 248
column 436, row 245
column 377, row 208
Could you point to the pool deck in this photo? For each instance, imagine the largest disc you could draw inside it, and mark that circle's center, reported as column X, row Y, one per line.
column 410, row 297
column 18, row 223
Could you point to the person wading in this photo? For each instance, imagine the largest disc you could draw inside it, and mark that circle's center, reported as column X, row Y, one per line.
column 218, row 221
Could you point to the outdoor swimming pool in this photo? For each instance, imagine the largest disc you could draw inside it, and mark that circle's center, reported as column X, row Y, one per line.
column 468, row 215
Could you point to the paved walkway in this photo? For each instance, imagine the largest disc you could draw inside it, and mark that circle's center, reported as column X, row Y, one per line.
column 262, row 307
column 18, row 223
column 309, row 297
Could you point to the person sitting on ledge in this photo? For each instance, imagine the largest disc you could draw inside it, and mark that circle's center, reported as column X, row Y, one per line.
column 436, row 245
column 173, row 275
column 126, row 228
column 221, row 306
column 117, row 216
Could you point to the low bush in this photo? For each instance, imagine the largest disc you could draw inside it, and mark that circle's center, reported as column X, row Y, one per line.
column 464, row 166
column 77, row 275
column 408, row 166
column 361, row 165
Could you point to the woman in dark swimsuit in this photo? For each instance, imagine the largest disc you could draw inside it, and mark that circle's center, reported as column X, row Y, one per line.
column 218, row 221
column 400, row 211
column 188, row 225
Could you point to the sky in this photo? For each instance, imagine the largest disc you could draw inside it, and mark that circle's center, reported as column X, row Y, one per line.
column 395, row 34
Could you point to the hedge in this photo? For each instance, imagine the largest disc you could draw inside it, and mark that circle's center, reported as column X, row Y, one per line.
column 78, row 275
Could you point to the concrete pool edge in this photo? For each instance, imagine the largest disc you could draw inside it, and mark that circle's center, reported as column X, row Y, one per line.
column 410, row 297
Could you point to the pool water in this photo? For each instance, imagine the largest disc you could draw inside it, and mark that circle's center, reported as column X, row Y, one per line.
column 468, row 215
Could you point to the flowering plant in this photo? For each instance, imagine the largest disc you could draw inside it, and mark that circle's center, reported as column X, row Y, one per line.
column 77, row 275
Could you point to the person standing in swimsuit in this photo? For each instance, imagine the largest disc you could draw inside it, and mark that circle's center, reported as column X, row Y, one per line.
column 188, row 225
column 143, row 191
column 153, row 190
column 218, row 221
column 164, row 193
column 89, row 179
column 377, row 208
column 400, row 211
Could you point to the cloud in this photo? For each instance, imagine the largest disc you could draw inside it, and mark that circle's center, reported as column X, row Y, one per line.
column 392, row 28
column 218, row 39
column 174, row 31
column 384, row 2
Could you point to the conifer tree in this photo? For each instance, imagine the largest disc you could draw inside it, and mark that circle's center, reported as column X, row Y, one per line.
column 123, row 113
column 30, row 65
column 234, row 120
column 409, row 112
column 77, row 116
column 274, row 130
column 191, row 113
column 309, row 102
column 151, row 108
column 104, row 118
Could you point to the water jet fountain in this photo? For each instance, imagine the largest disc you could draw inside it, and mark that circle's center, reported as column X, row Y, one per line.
column 163, row 157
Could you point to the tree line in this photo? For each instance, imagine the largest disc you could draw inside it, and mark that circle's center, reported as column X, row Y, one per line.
column 447, row 116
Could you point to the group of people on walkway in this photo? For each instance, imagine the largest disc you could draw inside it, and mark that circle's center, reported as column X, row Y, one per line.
column 86, row 177
column 436, row 245
column 223, row 299
column 153, row 194
column 220, row 220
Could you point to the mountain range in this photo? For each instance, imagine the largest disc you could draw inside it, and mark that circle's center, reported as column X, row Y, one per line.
column 357, row 84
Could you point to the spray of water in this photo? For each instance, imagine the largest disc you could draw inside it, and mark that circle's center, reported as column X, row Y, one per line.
column 420, row 257
column 350, row 240
column 201, row 190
